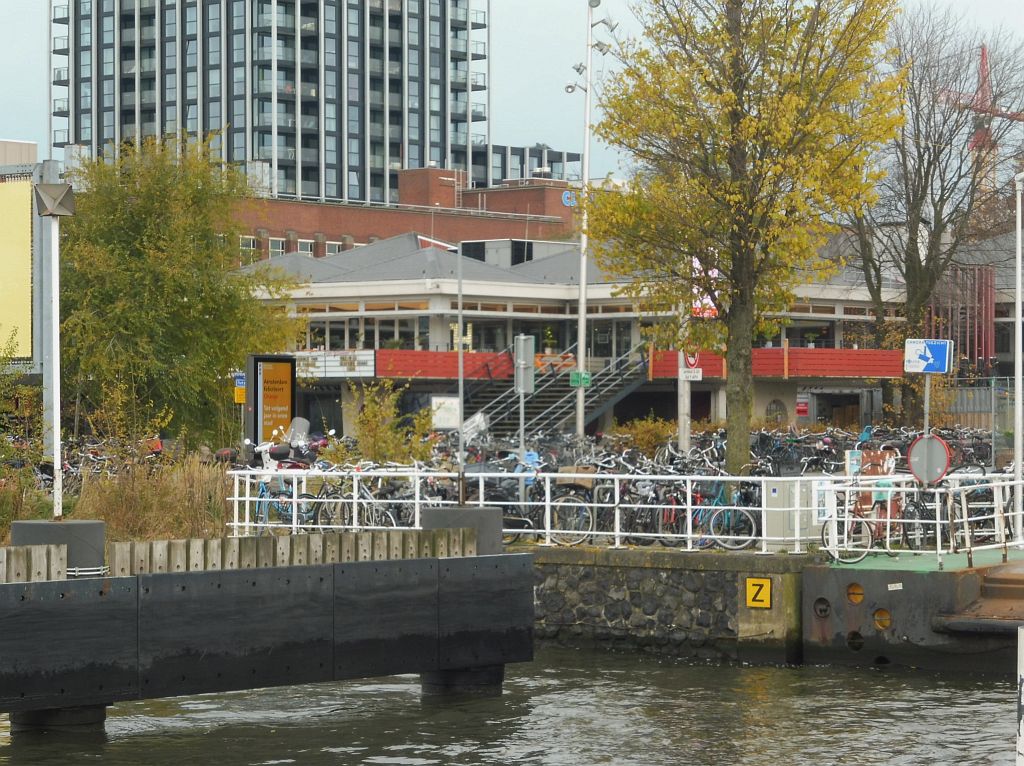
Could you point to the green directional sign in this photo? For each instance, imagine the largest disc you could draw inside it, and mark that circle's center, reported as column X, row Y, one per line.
column 579, row 379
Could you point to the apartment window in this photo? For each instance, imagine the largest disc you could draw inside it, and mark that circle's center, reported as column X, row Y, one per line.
column 276, row 247
column 191, row 52
column 333, row 248
column 213, row 17
column 192, row 118
column 247, row 249
column 306, row 247
column 171, row 22
column 85, row 33
column 191, row 85
column 85, row 64
column 190, row 20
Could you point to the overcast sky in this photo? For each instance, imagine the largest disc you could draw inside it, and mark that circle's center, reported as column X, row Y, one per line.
column 535, row 43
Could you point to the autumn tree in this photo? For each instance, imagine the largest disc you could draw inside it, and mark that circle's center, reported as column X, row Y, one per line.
column 750, row 122
column 946, row 170
column 155, row 314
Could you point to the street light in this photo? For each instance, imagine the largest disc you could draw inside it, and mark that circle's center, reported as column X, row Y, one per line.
column 581, row 322
column 54, row 201
column 1018, row 374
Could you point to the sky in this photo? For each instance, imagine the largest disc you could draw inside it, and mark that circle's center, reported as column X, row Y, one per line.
column 534, row 45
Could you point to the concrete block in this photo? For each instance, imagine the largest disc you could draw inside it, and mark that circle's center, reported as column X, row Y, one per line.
column 246, row 552
column 140, row 558
column 159, row 556
column 177, row 556
column 266, row 551
column 230, row 552
column 196, row 555
column 486, row 521
column 332, row 548
column 57, row 562
column 85, row 539
column 214, row 555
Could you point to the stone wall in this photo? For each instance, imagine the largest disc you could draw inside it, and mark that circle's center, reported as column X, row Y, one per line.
column 691, row 605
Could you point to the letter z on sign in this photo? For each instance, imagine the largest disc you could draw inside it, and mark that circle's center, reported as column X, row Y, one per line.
column 759, row 592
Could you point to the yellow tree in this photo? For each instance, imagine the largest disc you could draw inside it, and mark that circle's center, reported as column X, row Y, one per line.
column 750, row 122
column 155, row 314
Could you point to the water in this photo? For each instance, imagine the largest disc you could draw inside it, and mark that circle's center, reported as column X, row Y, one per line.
column 575, row 709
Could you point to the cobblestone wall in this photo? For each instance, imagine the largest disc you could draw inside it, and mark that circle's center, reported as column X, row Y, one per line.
column 663, row 603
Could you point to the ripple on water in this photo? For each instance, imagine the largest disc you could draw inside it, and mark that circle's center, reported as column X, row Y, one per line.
column 572, row 709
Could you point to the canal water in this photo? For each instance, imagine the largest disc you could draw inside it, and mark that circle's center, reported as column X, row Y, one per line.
column 571, row 708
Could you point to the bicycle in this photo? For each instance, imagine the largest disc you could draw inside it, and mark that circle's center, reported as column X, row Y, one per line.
column 277, row 511
column 866, row 526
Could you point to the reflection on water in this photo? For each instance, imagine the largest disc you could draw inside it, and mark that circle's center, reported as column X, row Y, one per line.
column 571, row 708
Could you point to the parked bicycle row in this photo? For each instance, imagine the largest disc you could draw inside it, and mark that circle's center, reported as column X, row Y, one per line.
column 847, row 518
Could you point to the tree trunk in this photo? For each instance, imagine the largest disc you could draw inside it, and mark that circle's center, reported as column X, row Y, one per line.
column 739, row 386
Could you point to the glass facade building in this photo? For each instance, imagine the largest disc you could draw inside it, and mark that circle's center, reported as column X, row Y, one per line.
column 318, row 99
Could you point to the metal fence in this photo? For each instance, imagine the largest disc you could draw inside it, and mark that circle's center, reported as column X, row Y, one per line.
column 841, row 515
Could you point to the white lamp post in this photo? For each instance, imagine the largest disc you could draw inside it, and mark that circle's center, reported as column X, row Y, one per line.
column 1018, row 374
column 581, row 322
column 54, row 201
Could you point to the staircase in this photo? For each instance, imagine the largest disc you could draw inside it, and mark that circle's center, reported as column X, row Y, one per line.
column 553, row 402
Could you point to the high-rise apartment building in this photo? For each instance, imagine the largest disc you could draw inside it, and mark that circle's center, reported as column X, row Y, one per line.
column 319, row 99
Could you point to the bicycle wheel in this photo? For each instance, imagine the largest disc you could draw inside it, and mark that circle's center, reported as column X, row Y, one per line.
column 378, row 516
column 572, row 520
column 670, row 521
column 853, row 543
column 733, row 528
column 913, row 528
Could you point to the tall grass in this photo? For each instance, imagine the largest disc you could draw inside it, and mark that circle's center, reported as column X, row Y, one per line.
column 20, row 500
column 186, row 499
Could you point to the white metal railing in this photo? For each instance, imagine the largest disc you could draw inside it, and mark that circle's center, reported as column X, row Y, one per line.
column 966, row 514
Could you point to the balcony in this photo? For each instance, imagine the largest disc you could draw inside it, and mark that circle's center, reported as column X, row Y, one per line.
column 148, row 66
column 307, row 25
column 378, row 6
column 60, row 45
column 60, row 14
column 60, row 75
column 128, row 36
column 310, row 188
column 308, row 58
column 285, row 22
column 283, row 153
column 60, row 107
column 310, row 156
column 479, row 49
column 128, row 6
column 479, row 112
column 60, row 138
column 459, row 48
column 128, row 99
column 478, row 19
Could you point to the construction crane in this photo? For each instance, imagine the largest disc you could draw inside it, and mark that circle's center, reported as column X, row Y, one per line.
column 982, row 144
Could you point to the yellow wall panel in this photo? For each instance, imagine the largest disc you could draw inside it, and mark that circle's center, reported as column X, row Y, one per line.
column 16, row 264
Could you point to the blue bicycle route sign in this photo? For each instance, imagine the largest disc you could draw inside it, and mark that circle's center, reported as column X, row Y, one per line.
column 930, row 356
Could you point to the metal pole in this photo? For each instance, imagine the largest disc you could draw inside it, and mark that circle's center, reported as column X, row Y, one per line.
column 462, row 431
column 1020, row 691
column 581, row 325
column 927, row 400
column 58, row 463
column 1018, row 373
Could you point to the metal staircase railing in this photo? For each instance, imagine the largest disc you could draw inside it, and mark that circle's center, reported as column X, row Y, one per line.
column 474, row 384
column 613, row 378
column 507, row 403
